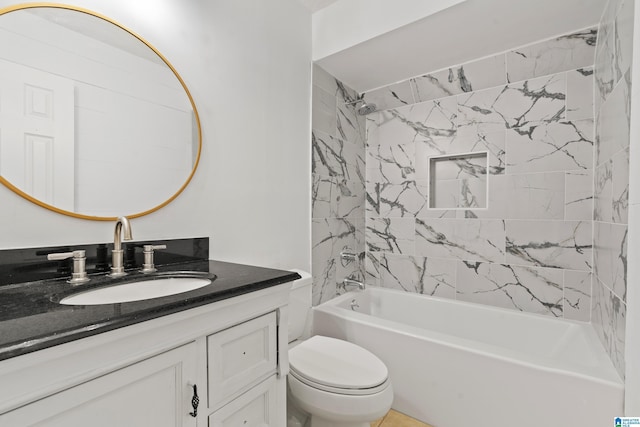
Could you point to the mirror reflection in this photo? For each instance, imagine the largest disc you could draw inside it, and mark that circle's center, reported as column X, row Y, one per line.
column 93, row 122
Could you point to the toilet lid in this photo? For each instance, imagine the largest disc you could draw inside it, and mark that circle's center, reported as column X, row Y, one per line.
column 337, row 364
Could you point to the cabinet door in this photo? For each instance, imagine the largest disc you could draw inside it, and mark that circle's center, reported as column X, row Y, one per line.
column 155, row 392
column 239, row 357
column 255, row 408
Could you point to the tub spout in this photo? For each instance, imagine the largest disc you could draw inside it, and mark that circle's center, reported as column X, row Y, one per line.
column 351, row 282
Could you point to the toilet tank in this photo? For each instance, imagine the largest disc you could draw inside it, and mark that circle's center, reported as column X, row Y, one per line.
column 299, row 304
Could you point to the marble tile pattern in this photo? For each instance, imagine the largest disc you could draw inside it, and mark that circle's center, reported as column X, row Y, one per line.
column 577, row 295
column 550, row 146
column 580, row 85
column 390, row 96
column 553, row 244
column 564, row 53
column 530, row 289
column 330, row 236
column 338, row 185
column 573, row 53
column 482, row 74
column 536, row 196
column 459, row 181
column 530, row 247
column 422, row 275
column 608, row 314
column 461, row 239
column 552, row 237
column 611, row 176
column 513, row 106
column 579, row 195
column 610, row 257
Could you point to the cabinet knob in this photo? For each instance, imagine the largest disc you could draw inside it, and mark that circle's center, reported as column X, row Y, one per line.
column 195, row 401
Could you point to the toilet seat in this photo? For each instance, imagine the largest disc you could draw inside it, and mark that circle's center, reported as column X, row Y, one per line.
column 337, row 366
column 336, row 390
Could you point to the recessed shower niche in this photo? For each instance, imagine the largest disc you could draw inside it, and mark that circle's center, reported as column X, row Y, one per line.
column 458, row 181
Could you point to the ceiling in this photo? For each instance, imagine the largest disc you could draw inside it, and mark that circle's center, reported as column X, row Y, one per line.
column 467, row 31
column 315, row 5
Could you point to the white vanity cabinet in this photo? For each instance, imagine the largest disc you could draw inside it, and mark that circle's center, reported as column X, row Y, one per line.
column 256, row 407
column 153, row 392
column 242, row 374
column 144, row 374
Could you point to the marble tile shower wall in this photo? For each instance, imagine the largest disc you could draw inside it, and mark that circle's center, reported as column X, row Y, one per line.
column 338, row 193
column 530, row 249
column 611, row 192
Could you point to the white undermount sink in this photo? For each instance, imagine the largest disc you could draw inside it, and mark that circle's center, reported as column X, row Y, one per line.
column 136, row 291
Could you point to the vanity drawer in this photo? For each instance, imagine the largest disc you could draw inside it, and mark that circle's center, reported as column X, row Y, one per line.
column 256, row 408
column 240, row 356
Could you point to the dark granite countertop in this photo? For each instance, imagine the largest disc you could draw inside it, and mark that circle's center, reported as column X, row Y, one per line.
column 31, row 319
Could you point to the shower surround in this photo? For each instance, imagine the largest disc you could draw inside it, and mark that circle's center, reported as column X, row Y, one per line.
column 611, row 192
column 530, row 249
column 536, row 246
column 338, row 192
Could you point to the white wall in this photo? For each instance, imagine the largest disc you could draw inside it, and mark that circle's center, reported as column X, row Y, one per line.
column 247, row 64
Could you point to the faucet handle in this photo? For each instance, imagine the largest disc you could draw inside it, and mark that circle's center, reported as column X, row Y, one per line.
column 79, row 274
column 148, row 266
column 56, row 256
column 348, row 256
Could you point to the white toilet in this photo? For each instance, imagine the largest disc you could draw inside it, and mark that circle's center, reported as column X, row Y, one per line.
column 331, row 382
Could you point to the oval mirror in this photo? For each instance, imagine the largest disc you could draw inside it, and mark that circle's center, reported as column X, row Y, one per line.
column 94, row 122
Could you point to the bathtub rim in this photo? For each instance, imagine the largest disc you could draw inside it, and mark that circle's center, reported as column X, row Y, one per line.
column 605, row 373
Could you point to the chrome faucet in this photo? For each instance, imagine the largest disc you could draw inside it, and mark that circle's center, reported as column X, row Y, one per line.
column 122, row 226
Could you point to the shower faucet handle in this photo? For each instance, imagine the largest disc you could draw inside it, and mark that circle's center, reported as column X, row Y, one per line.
column 79, row 274
column 348, row 256
column 148, row 266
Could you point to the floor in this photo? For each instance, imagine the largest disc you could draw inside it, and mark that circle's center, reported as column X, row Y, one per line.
column 396, row 419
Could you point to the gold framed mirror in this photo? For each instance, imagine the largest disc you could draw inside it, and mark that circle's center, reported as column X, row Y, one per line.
column 95, row 122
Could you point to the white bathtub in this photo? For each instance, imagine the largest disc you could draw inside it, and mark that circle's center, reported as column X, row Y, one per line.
column 455, row 364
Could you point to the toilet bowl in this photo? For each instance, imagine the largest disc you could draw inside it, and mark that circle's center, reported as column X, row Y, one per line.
column 331, row 382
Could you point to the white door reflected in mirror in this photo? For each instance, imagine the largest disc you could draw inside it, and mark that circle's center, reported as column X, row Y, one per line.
column 37, row 127
column 125, row 135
